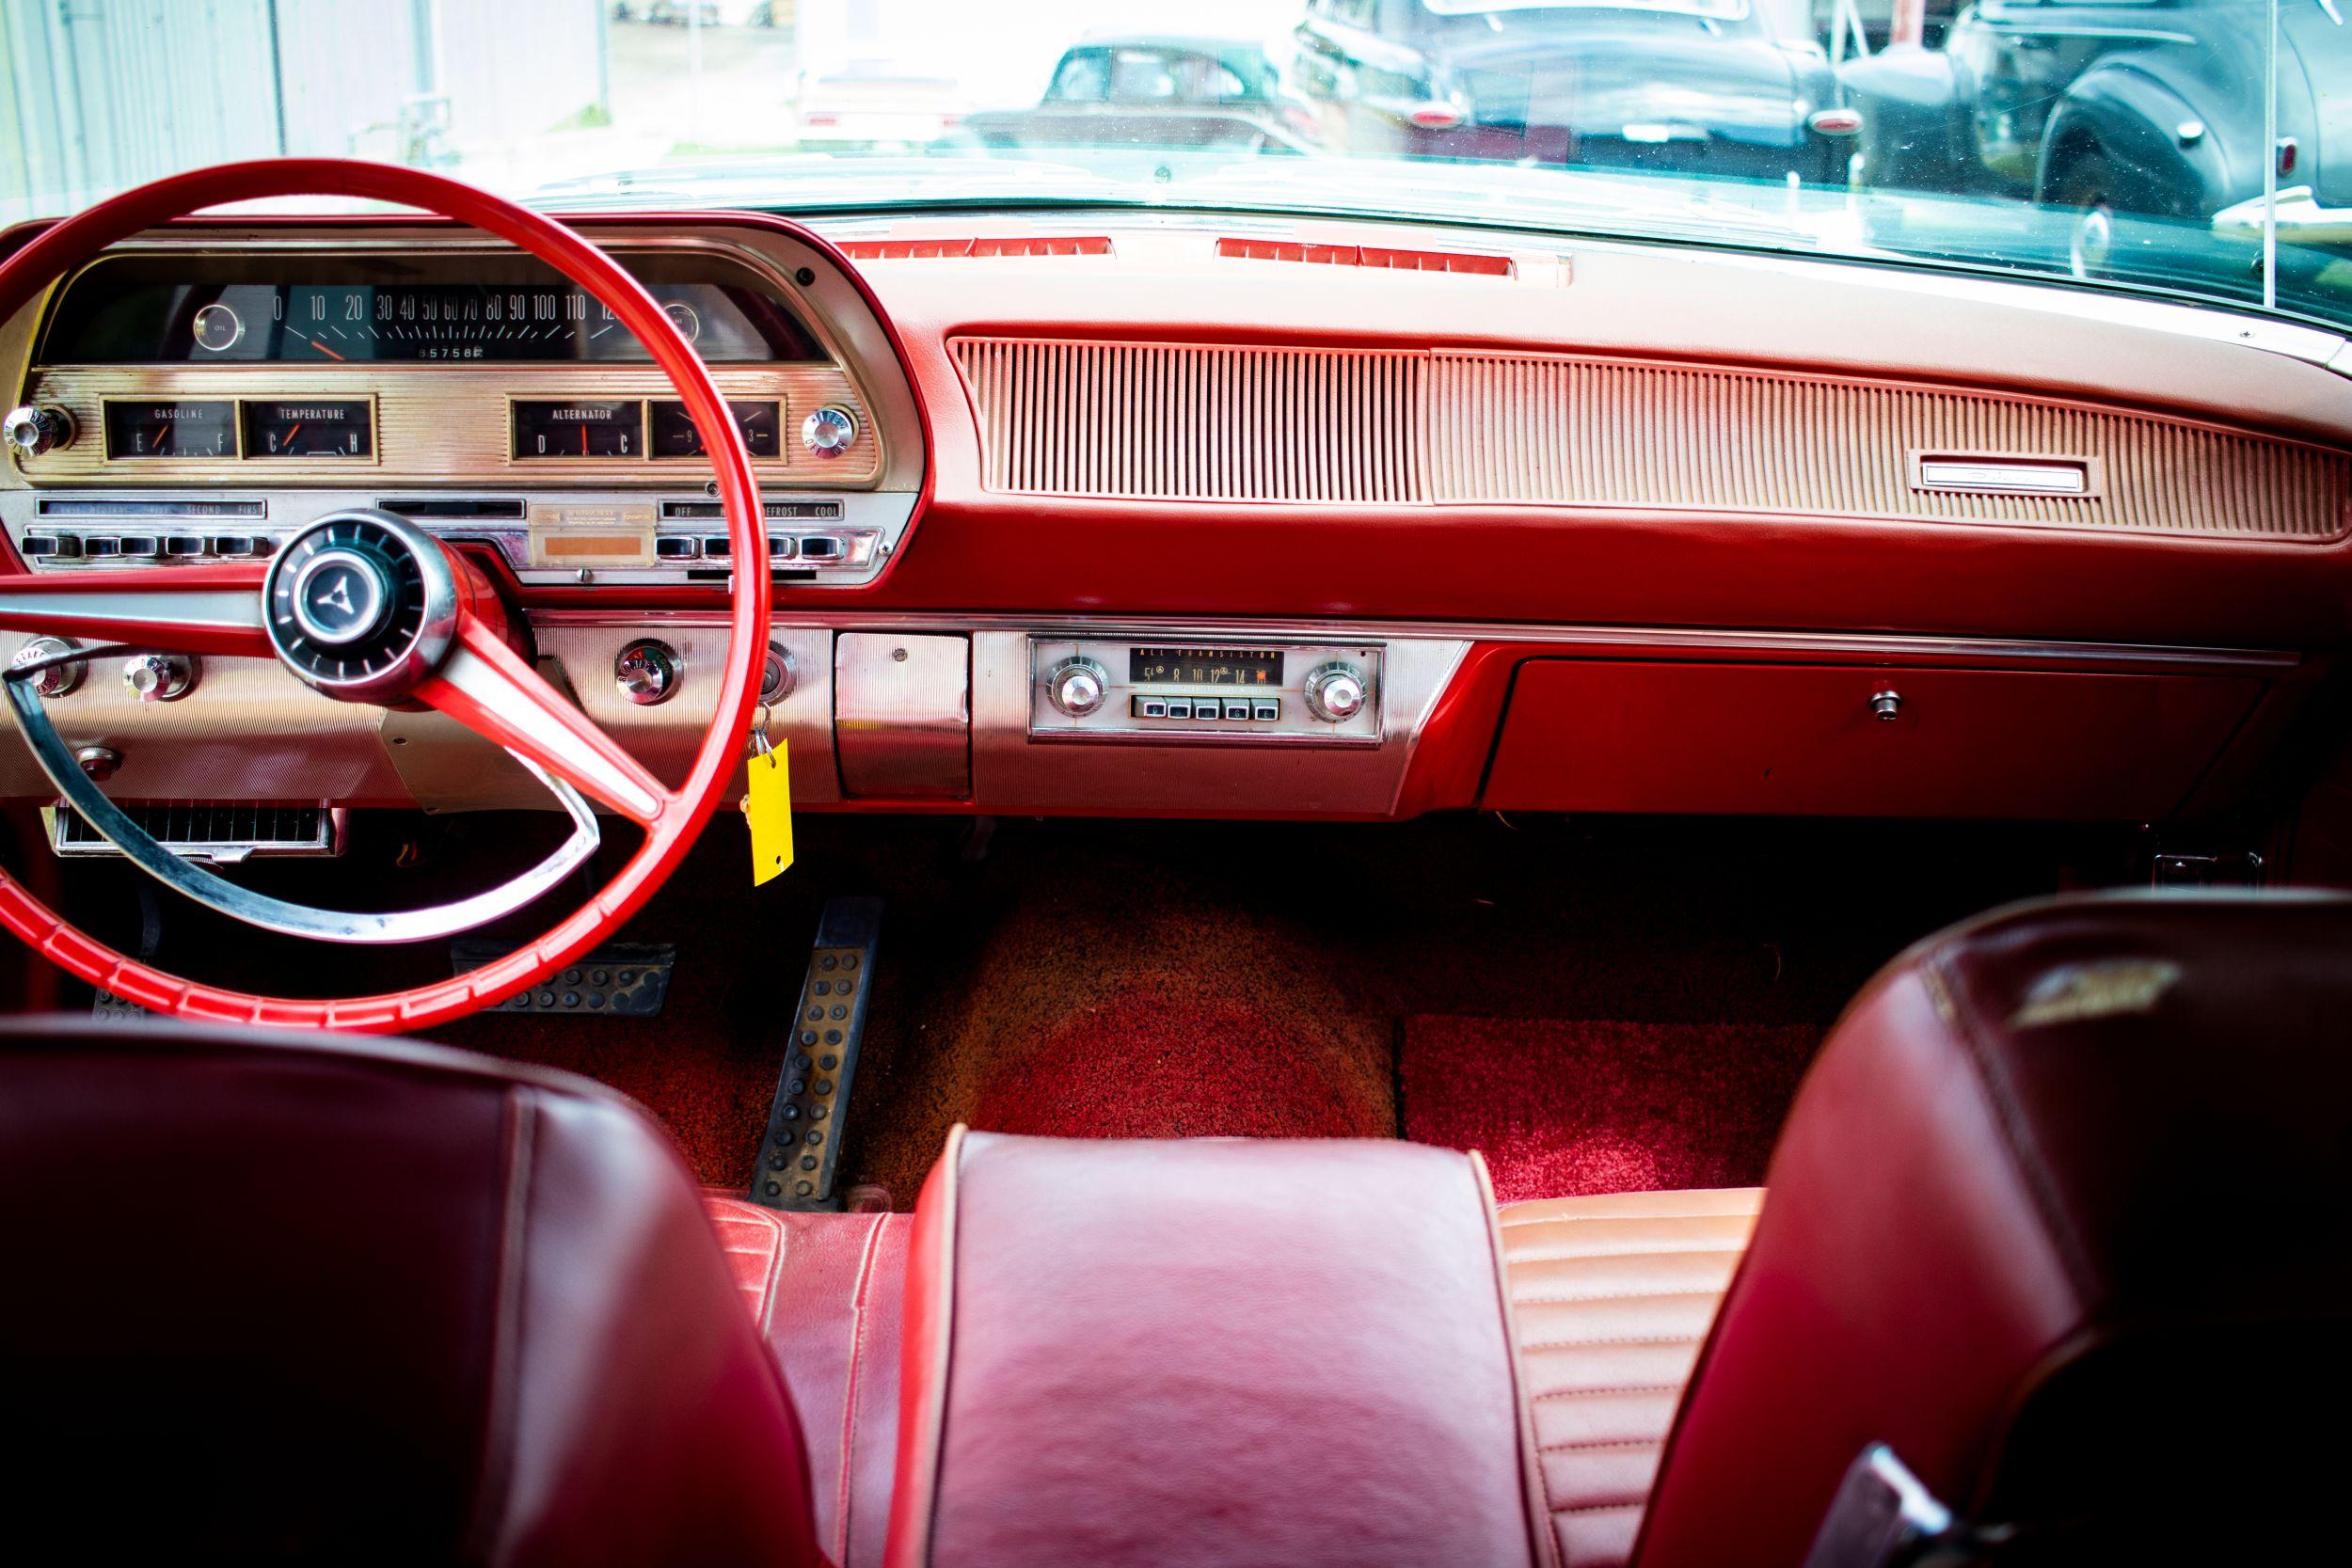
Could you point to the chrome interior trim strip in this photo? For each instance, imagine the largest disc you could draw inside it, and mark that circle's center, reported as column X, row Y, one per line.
column 369, row 927
column 1677, row 640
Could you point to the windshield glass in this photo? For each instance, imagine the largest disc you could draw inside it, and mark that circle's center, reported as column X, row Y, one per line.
column 2192, row 148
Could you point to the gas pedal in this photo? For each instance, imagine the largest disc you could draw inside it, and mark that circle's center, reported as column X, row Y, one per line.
column 621, row 979
column 798, row 1157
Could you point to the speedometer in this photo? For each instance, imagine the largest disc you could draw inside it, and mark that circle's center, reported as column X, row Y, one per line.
column 372, row 309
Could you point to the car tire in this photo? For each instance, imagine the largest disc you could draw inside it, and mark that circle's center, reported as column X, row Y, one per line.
column 2086, row 184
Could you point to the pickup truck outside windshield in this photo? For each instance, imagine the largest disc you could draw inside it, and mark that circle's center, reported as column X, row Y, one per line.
column 2190, row 148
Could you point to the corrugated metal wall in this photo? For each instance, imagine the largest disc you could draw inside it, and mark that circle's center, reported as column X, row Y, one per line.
column 99, row 94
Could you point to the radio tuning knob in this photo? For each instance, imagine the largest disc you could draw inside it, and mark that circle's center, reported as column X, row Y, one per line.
column 1335, row 693
column 828, row 432
column 1077, row 686
column 32, row 429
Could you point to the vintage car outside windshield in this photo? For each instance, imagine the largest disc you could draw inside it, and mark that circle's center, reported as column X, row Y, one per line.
column 2195, row 147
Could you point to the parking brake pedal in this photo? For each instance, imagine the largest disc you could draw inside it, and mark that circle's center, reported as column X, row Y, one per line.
column 621, row 979
column 804, row 1142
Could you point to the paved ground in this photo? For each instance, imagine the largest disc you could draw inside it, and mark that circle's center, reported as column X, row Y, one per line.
column 735, row 102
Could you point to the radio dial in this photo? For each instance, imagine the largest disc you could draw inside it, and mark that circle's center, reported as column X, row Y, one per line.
column 1335, row 693
column 1077, row 686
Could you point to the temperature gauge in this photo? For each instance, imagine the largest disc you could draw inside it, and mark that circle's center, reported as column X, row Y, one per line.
column 170, row 427
column 339, row 427
column 675, row 436
column 571, row 427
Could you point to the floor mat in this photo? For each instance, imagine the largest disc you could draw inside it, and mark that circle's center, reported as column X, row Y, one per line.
column 1562, row 1107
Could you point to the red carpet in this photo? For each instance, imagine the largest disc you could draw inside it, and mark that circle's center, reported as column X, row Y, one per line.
column 1143, row 1066
column 1562, row 1107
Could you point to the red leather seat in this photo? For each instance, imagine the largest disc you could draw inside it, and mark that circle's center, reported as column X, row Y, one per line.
column 826, row 1291
column 1207, row 1352
column 285, row 1299
column 2062, row 1216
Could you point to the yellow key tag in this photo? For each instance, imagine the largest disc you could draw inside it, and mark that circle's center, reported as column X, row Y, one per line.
column 768, row 806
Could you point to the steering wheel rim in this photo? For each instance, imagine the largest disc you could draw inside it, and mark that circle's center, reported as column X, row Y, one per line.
column 490, row 674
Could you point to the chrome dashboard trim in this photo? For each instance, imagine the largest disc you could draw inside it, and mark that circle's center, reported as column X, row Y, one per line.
column 1686, row 641
column 370, row 928
column 869, row 528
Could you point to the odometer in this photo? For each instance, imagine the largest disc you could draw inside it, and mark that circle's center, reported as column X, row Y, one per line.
column 578, row 427
column 170, row 427
column 675, row 436
column 315, row 427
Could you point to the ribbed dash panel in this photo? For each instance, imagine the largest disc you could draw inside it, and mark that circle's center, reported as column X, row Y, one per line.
column 1177, row 421
column 1195, row 422
column 1594, row 432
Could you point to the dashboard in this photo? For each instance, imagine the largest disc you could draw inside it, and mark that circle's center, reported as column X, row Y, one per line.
column 1194, row 516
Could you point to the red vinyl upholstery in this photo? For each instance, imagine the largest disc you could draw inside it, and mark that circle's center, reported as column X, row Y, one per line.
column 280, row 1298
column 1613, row 1295
column 2063, row 1216
column 1207, row 1352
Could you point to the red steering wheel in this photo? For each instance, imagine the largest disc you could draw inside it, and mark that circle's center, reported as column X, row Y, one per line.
column 421, row 626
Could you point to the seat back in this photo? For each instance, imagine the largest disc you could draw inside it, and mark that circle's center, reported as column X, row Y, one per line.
column 1207, row 1352
column 278, row 1298
column 2063, row 1217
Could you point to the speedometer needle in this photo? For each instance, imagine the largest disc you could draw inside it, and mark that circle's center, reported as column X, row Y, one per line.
column 322, row 348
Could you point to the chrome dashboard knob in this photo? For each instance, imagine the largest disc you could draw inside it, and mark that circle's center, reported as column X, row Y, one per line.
column 1337, row 693
column 828, row 432
column 159, row 677
column 779, row 676
column 60, row 680
column 32, row 429
column 1887, row 705
column 1077, row 686
column 647, row 672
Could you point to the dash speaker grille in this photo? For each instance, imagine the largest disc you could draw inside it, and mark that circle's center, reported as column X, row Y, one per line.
column 1404, row 427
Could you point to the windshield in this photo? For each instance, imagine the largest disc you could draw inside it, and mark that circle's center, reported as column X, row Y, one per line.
column 2197, row 149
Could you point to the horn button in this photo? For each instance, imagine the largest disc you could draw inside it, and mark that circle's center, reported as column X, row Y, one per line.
column 361, row 604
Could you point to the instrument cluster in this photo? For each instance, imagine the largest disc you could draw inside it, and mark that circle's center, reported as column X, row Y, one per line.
column 182, row 401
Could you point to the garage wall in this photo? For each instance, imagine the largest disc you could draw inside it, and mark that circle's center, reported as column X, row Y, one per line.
column 96, row 95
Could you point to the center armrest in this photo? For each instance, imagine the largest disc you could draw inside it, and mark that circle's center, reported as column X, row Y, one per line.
column 1209, row 1351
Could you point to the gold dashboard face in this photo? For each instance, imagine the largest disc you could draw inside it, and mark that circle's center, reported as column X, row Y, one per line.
column 443, row 422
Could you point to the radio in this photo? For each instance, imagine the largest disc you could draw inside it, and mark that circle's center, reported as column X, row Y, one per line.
column 1213, row 692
